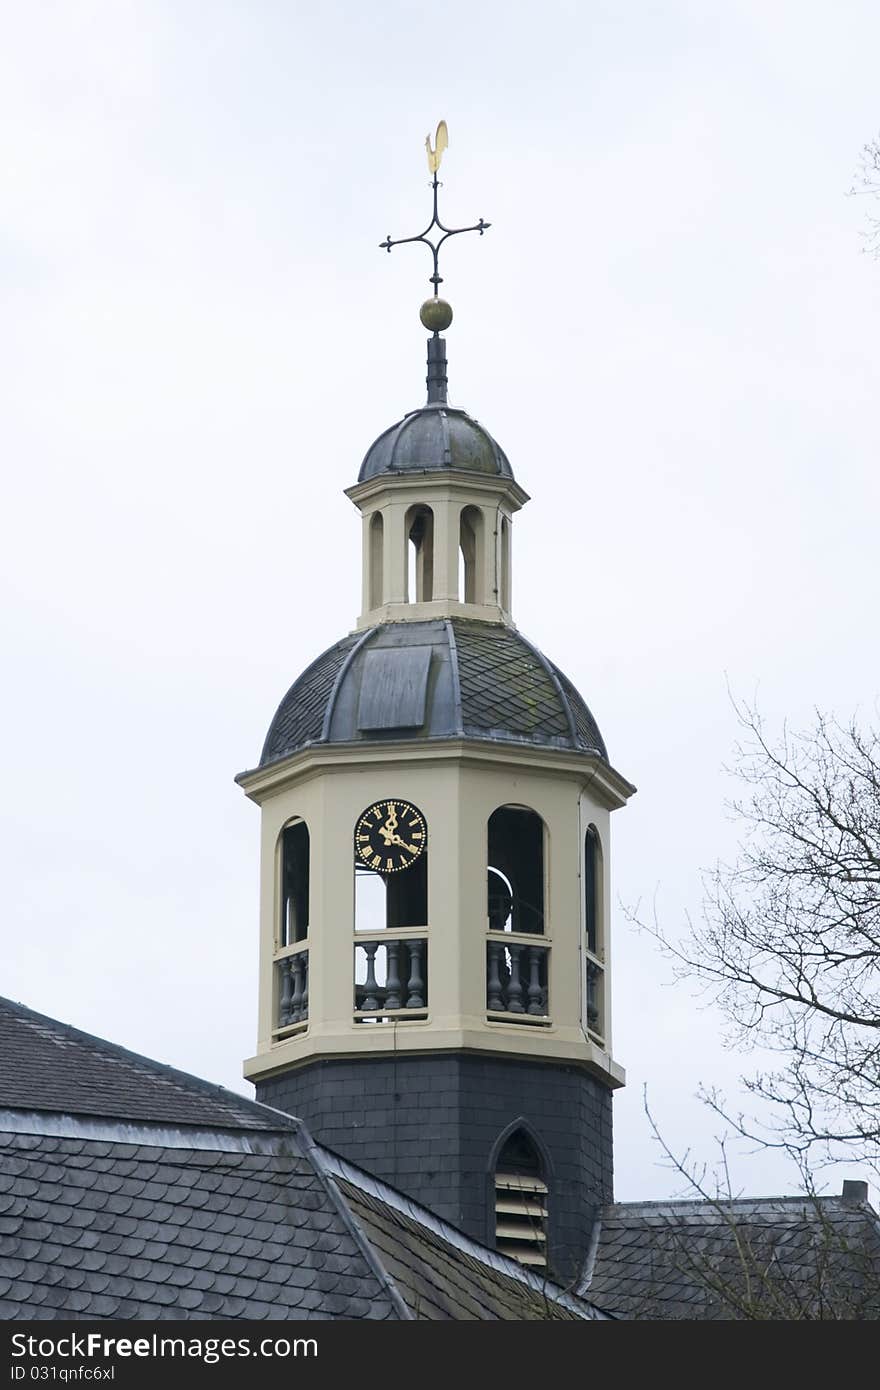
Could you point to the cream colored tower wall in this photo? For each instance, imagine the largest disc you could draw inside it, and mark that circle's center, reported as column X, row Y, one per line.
column 457, row 788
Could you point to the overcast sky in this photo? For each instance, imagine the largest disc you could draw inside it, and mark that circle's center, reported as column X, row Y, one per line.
column 670, row 328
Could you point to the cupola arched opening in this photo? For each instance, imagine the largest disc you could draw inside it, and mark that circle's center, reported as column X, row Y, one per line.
column 420, row 554
column 377, row 559
column 521, row 1199
column 504, row 564
column 471, row 584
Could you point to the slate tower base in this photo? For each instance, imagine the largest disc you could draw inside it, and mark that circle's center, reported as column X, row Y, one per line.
column 431, row 1125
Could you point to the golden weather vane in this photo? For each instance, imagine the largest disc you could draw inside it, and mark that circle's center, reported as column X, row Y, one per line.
column 441, row 140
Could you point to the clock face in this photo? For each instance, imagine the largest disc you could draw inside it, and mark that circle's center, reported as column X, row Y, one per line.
column 390, row 836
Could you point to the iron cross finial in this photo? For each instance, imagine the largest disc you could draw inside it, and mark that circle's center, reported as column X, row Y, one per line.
column 441, row 140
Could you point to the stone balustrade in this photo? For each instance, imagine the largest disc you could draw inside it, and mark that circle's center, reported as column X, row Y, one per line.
column 595, row 981
column 293, row 989
column 391, row 975
column 517, row 978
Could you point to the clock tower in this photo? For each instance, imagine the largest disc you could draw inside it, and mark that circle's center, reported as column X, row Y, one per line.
column 435, row 864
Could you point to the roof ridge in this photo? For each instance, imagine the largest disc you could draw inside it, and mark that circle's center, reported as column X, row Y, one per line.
column 315, row 1154
column 665, row 1204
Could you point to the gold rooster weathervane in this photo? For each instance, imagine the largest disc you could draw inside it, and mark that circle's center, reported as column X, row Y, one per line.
column 435, row 313
column 441, row 140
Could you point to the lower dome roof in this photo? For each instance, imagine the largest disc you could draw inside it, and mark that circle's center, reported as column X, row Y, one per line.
column 444, row 678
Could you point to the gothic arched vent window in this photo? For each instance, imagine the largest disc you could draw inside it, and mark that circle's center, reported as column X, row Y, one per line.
column 521, row 1201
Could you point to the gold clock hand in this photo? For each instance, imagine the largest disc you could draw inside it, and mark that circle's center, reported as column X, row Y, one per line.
column 396, row 840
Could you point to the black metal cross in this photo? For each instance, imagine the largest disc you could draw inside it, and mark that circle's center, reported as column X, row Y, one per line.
column 436, row 279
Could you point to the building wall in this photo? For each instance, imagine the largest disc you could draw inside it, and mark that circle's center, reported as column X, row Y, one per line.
column 429, row 1124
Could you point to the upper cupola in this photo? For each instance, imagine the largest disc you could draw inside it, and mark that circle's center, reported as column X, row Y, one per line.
column 436, row 492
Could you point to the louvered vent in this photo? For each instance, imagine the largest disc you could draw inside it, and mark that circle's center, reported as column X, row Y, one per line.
column 521, row 1203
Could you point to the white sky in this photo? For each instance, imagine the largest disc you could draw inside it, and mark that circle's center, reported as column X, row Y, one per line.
column 669, row 328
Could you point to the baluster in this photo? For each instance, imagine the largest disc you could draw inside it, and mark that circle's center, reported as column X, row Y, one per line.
column 371, row 987
column 536, row 1000
column 592, row 998
column 392, row 982
column 304, row 1007
column 514, row 987
column 296, row 999
column 494, row 999
column 284, row 1001
column 414, row 993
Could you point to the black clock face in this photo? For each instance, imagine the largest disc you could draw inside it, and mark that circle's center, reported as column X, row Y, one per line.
column 390, row 836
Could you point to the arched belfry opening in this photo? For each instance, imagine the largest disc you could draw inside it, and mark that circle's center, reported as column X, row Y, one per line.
column 291, row 968
column 521, row 1200
column 516, row 866
column 390, row 928
column 295, row 847
column 594, row 984
column 517, row 965
column 420, row 554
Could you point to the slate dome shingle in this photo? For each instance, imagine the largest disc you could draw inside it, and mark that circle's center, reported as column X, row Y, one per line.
column 442, row 678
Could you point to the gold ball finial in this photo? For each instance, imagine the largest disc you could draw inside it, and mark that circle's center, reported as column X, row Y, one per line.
column 436, row 315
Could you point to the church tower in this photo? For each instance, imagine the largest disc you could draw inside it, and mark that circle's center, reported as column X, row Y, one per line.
column 435, row 864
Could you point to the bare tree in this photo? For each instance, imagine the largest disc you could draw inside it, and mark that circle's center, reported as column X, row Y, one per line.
column 867, row 184
column 809, row 1258
column 789, row 938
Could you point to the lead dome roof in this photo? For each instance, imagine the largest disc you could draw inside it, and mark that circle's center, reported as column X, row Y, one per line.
column 444, row 678
column 433, row 438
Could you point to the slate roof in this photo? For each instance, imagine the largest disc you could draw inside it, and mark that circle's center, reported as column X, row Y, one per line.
column 778, row 1258
column 71, row 1071
column 485, row 681
column 103, row 1229
column 122, row 1206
